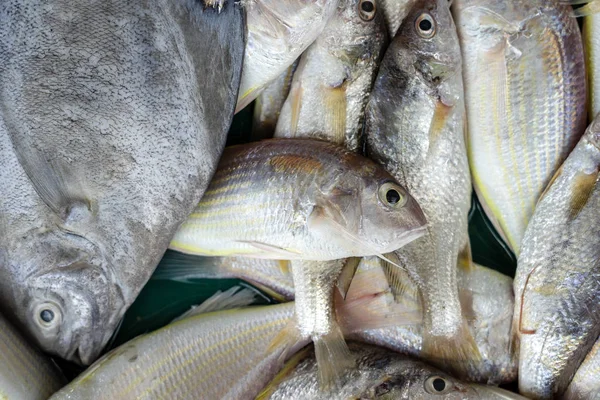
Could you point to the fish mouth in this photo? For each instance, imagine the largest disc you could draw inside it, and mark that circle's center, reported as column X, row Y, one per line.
column 408, row 236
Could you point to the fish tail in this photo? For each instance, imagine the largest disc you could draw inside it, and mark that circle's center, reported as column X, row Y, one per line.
column 457, row 353
column 333, row 358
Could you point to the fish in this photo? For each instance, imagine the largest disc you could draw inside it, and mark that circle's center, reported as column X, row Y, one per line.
column 216, row 354
column 25, row 373
column 269, row 103
column 380, row 374
column 112, row 119
column 487, row 294
column 591, row 40
column 415, row 129
column 585, row 383
column 395, row 11
column 278, row 33
column 525, row 92
column 334, row 78
column 557, row 283
column 299, row 199
column 327, row 100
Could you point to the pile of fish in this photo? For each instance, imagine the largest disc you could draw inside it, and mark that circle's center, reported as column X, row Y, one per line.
column 374, row 121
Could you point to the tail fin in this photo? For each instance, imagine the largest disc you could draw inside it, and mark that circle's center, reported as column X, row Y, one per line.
column 457, row 354
column 181, row 267
column 333, row 358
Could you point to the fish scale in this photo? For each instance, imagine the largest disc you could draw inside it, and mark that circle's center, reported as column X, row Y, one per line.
column 591, row 37
column 525, row 94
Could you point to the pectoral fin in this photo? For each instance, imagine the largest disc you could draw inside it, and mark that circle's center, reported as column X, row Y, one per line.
column 272, row 250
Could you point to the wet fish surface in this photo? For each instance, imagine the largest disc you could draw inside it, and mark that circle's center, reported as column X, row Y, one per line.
column 380, row 374
column 415, row 129
column 585, row 384
column 334, row 78
column 591, row 40
column 112, row 120
column 299, row 199
column 525, row 93
column 395, row 11
column 278, row 33
column 557, row 284
column 24, row 372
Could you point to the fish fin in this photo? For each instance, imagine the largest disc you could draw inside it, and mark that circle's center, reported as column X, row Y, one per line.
column 296, row 103
column 465, row 297
column 583, row 186
column 283, row 342
column 282, row 375
column 456, row 354
column 235, row 297
column 335, row 104
column 272, row 250
column 268, row 291
column 397, row 277
column 284, row 266
column 244, row 99
column 181, row 267
column 438, row 121
column 347, row 274
column 333, row 358
column 465, row 258
column 589, row 9
column 58, row 187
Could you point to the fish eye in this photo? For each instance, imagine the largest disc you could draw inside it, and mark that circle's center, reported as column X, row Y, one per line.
column 48, row 315
column 437, row 385
column 367, row 9
column 425, row 26
column 392, row 195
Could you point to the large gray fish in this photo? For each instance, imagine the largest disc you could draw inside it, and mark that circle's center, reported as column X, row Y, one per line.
column 415, row 129
column 299, row 199
column 268, row 105
column 219, row 355
column 112, row 119
column 525, row 93
column 586, row 383
column 24, row 372
column 557, row 284
column 327, row 100
column 278, row 32
column 380, row 375
column 487, row 294
column 334, row 78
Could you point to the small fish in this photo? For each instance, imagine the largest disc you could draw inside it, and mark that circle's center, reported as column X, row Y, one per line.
column 525, row 93
column 216, row 355
column 380, row 375
column 585, row 384
column 24, row 372
column 112, row 120
column 487, row 295
column 395, row 11
column 278, row 33
column 331, row 87
column 557, row 284
column 415, row 129
column 267, row 107
column 299, row 199
column 591, row 40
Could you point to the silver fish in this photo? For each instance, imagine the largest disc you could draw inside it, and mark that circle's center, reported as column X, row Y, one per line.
column 525, row 93
column 216, row 355
column 380, row 375
column 585, row 384
column 591, row 40
column 332, row 84
column 299, row 199
column 557, row 284
column 415, row 129
column 267, row 106
column 112, row 120
column 24, row 372
column 486, row 294
column 278, row 32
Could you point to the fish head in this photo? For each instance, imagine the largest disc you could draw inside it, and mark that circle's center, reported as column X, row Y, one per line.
column 390, row 216
column 71, row 305
column 423, row 382
column 427, row 43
